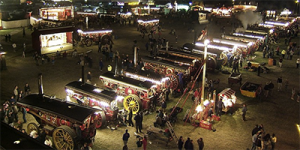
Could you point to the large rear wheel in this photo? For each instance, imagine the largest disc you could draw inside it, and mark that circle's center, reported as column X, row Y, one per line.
column 64, row 138
column 133, row 102
column 174, row 82
column 31, row 127
column 100, row 118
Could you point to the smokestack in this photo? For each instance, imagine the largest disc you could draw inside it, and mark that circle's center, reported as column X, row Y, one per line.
column 117, row 61
column 82, row 74
column 82, row 71
column 135, row 56
column 40, row 84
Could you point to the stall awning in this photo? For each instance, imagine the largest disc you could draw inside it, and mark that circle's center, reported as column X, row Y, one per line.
column 227, row 92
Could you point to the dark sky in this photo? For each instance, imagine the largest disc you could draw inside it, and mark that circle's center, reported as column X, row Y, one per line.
column 262, row 4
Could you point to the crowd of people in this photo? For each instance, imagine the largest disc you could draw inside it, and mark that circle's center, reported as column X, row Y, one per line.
column 262, row 140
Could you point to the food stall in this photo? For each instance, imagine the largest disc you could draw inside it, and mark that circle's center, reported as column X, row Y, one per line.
column 51, row 40
column 57, row 13
column 227, row 96
column 250, row 89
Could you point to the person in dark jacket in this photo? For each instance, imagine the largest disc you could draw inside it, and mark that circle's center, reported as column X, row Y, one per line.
column 200, row 143
column 187, row 143
column 130, row 123
column 138, row 121
column 180, row 143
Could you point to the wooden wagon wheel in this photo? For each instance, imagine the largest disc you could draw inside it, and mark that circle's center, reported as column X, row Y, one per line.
column 100, row 118
column 224, row 58
column 106, row 39
column 133, row 102
column 174, row 81
column 169, row 71
column 88, row 42
column 64, row 138
column 31, row 127
column 211, row 63
column 83, row 42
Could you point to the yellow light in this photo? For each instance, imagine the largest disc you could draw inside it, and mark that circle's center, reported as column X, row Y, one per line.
column 298, row 127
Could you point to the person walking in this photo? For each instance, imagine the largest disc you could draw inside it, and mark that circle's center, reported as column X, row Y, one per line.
column 89, row 77
column 273, row 141
column 130, row 123
column 187, row 143
column 139, row 143
column 27, row 89
column 145, row 142
column 101, row 65
column 244, row 110
column 137, row 119
column 280, row 62
column 254, row 140
column 291, row 54
column 259, row 93
column 16, row 92
column 141, row 124
column 164, row 105
column 286, row 85
column 126, row 136
column 200, row 143
column 258, row 70
column 298, row 96
column 24, row 112
column 180, row 143
column 283, row 52
column 293, row 93
column 297, row 63
column 279, row 83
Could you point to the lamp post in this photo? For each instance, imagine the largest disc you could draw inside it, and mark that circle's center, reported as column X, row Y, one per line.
column 204, row 70
column 297, row 3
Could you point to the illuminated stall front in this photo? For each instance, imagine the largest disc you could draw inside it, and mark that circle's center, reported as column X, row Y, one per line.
column 227, row 96
column 57, row 13
column 52, row 40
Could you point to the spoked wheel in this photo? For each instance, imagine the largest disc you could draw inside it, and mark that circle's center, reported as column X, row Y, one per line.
column 83, row 42
column 64, row 138
column 224, row 58
column 174, row 82
column 133, row 102
column 31, row 127
column 88, row 42
column 100, row 118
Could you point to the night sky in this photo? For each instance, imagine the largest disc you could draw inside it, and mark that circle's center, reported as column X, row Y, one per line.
column 262, row 4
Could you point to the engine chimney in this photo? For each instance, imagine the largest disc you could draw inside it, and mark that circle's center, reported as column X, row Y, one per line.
column 40, row 84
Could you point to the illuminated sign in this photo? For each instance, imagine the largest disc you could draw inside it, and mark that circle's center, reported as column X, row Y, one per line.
column 133, row 3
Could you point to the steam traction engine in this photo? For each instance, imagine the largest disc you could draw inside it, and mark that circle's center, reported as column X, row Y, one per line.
column 103, row 100
column 138, row 94
column 69, row 124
